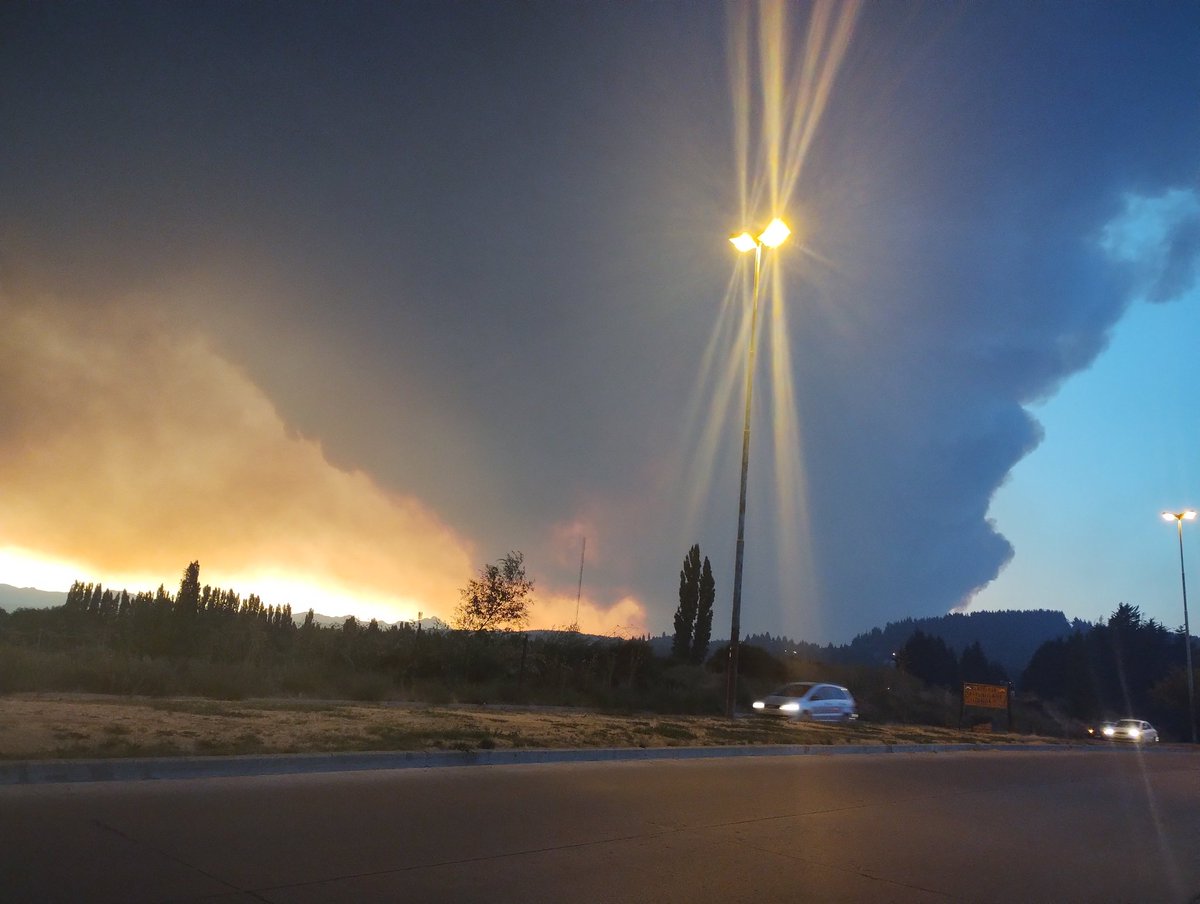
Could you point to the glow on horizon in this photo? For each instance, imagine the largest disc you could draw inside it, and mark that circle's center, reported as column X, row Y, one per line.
column 25, row 569
column 625, row 617
column 29, row 570
column 198, row 465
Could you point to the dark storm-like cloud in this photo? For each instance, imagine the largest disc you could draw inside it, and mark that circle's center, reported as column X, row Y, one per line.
column 993, row 158
column 476, row 251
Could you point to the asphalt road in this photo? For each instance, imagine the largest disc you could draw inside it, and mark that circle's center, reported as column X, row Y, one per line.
column 1086, row 826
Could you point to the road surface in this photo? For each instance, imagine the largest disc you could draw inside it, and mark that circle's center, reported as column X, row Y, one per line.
column 1063, row 826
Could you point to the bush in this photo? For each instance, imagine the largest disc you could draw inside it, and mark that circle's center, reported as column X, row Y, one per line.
column 365, row 687
column 754, row 663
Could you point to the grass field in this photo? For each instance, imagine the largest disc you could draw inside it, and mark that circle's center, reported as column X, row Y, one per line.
column 62, row 726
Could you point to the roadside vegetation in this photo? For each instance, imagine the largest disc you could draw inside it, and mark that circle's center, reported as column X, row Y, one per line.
column 208, row 643
column 152, row 650
column 73, row 726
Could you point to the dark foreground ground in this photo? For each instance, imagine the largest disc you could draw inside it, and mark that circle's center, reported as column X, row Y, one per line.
column 1086, row 825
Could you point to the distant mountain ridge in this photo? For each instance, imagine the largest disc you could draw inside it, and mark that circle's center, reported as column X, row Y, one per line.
column 1009, row 637
column 13, row 598
column 429, row 623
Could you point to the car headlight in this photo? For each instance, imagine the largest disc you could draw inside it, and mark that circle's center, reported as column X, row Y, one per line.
column 1135, row 733
column 758, row 704
column 1108, row 731
column 790, row 707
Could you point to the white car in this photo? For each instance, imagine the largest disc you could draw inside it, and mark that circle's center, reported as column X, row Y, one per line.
column 809, row 700
column 1130, row 730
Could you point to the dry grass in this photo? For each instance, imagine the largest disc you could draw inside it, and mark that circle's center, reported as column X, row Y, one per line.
column 52, row 726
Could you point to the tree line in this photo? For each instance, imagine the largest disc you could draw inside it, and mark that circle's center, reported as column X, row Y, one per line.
column 1128, row 666
column 209, row 640
column 197, row 619
column 931, row 659
column 212, row 642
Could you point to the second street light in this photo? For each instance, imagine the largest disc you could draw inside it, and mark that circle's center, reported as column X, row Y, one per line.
column 773, row 236
column 1179, row 518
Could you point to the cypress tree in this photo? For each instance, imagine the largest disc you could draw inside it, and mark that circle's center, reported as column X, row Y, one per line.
column 689, row 602
column 77, row 598
column 707, row 593
column 94, row 600
column 188, row 601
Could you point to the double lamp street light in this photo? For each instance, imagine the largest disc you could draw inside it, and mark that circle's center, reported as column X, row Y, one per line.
column 1179, row 518
column 773, row 236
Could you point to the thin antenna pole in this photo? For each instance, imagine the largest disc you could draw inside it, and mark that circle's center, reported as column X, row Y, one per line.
column 579, row 592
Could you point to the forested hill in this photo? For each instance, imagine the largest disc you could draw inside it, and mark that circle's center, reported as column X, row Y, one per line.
column 1009, row 637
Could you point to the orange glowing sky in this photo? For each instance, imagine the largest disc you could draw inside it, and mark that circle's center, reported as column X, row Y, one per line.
column 135, row 449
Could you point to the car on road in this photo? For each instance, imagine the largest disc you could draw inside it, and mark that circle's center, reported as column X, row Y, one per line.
column 1135, row 730
column 809, row 700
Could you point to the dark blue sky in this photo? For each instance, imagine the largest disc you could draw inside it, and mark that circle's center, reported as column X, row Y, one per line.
column 475, row 254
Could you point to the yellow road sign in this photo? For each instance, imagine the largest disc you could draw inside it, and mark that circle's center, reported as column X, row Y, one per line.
column 988, row 696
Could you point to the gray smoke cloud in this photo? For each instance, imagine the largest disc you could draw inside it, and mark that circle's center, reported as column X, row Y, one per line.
column 476, row 253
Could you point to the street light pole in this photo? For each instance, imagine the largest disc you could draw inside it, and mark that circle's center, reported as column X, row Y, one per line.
column 771, row 237
column 1179, row 518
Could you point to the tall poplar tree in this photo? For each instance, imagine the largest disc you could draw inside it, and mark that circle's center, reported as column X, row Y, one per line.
column 689, row 603
column 707, row 593
column 188, row 601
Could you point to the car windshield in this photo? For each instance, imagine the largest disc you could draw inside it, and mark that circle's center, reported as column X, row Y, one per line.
column 1129, row 723
column 794, row 690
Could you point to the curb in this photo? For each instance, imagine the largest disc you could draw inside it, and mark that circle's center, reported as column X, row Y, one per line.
column 38, row 772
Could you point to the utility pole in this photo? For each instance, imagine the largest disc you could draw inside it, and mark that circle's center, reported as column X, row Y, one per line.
column 579, row 592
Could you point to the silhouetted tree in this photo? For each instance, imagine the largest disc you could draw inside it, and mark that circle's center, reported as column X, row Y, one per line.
column 689, row 602
column 187, row 603
column 93, row 605
column 498, row 599
column 973, row 665
column 753, row 662
column 77, row 597
column 1119, row 668
column 704, row 613
column 929, row 659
